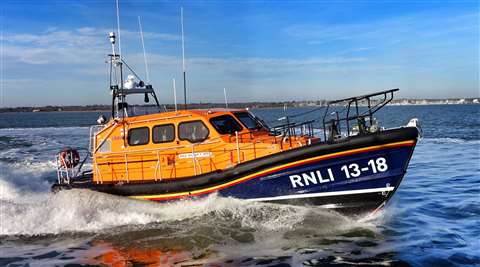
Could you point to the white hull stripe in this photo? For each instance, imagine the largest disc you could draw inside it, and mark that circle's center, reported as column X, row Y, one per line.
column 325, row 194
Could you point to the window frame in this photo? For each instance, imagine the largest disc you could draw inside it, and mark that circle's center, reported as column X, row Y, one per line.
column 141, row 144
column 226, row 115
column 173, row 136
column 185, row 139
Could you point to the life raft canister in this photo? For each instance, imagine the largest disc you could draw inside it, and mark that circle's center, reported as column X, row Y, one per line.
column 68, row 158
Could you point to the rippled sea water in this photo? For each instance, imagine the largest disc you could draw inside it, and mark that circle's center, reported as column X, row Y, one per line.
column 433, row 220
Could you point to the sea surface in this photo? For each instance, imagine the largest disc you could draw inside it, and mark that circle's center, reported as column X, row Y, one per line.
column 433, row 220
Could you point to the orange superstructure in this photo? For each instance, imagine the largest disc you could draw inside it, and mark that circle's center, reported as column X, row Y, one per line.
column 183, row 143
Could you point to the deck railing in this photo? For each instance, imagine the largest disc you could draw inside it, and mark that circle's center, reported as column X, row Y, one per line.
column 357, row 111
column 247, row 147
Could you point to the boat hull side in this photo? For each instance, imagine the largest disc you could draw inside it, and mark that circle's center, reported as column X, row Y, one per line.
column 361, row 174
column 323, row 181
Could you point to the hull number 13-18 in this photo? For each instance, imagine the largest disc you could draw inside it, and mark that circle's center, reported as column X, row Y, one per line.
column 376, row 165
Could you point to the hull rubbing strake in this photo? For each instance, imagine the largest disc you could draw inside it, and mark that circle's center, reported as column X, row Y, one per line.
column 326, row 194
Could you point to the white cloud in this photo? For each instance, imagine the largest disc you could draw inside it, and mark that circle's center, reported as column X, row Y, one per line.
column 84, row 45
column 387, row 31
column 79, row 37
column 49, row 55
column 237, row 66
column 87, row 46
column 86, row 30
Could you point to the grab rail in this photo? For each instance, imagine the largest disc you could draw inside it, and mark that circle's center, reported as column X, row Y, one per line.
column 334, row 125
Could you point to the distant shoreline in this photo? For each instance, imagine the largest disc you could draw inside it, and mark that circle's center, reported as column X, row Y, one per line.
column 297, row 104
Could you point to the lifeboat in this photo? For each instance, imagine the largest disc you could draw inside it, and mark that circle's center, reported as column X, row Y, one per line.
column 343, row 160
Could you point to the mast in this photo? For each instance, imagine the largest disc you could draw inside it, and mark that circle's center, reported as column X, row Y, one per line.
column 118, row 31
column 118, row 61
column 147, row 74
column 183, row 62
column 114, row 65
column 120, row 88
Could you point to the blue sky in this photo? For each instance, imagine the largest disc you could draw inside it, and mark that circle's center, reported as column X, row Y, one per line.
column 53, row 52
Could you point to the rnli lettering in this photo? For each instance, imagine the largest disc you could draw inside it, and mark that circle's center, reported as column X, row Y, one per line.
column 313, row 177
column 352, row 170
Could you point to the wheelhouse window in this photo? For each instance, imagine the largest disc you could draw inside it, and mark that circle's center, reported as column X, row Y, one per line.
column 225, row 124
column 106, row 146
column 138, row 136
column 248, row 120
column 163, row 133
column 193, row 131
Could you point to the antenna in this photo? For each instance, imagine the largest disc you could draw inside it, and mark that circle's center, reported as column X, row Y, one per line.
column 183, row 62
column 225, row 95
column 111, row 36
column 174, row 94
column 144, row 54
column 118, row 30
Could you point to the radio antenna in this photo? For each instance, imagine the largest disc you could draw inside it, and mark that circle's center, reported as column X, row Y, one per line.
column 118, row 30
column 174, row 94
column 183, row 62
column 144, row 54
column 225, row 95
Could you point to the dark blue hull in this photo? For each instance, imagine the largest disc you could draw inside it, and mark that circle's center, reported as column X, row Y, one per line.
column 364, row 179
